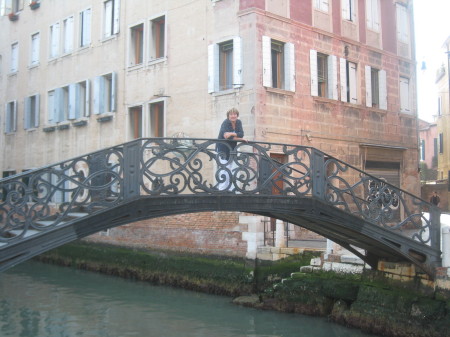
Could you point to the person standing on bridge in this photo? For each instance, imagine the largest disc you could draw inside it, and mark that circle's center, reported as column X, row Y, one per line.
column 435, row 200
column 231, row 129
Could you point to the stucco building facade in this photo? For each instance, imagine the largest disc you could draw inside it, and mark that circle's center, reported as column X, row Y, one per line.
column 338, row 75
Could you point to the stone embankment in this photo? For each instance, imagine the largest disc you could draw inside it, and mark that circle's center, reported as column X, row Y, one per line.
column 299, row 284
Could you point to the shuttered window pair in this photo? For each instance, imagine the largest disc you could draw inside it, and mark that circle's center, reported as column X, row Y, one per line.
column 278, row 64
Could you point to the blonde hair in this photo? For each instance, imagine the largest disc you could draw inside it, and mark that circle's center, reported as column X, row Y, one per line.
column 232, row 110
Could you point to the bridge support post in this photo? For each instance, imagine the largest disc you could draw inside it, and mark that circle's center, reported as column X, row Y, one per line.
column 435, row 228
column 131, row 172
column 280, row 235
column 318, row 175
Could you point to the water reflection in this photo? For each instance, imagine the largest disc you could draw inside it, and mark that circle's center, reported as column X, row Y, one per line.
column 44, row 300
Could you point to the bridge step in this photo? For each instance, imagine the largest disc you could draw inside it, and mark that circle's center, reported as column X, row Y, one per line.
column 77, row 215
column 28, row 233
column 48, row 223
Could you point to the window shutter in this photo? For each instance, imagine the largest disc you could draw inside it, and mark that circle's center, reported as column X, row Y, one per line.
column 289, row 64
column 59, row 104
column 375, row 16
column 7, row 117
column 68, row 38
column 345, row 9
column 51, row 106
column 54, row 40
column 72, row 113
column 352, row 83
column 114, row 91
column 213, row 68
column 26, row 116
column 383, row 89
column 37, row 110
column 237, row 62
column 8, row 7
column 267, row 61
column 332, row 77
column 14, row 117
column 368, row 86
column 343, row 78
column 313, row 72
column 98, row 97
column 108, row 18
column 116, row 16
column 87, row 109
column 14, row 57
column 353, row 10
column 404, row 95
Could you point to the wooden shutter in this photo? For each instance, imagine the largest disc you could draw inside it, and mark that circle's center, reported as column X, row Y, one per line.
column 343, row 78
column 114, row 91
column 267, row 61
column 108, row 18
column 237, row 62
column 99, row 94
column 313, row 72
column 383, row 89
column 368, row 73
column 59, row 105
column 404, row 95
column 87, row 108
column 352, row 76
column 289, row 64
column 68, row 35
column 213, row 68
column 332, row 77
column 14, row 117
column 116, row 16
column 55, row 40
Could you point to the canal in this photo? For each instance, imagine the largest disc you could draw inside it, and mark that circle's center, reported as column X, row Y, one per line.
column 39, row 300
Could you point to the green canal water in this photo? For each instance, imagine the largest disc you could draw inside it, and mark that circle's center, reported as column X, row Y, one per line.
column 39, row 300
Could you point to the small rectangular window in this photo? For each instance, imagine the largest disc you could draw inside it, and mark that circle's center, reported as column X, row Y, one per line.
column 321, row 5
column 372, row 15
column 441, row 143
column 226, row 65
column 404, row 95
column 85, row 28
column 68, row 35
column 54, row 40
column 375, row 88
column 31, row 118
column 322, row 74
column 14, row 57
column 35, row 46
column 324, row 79
column 402, row 24
column 111, row 18
column 136, row 122
column 157, row 119
column 136, row 45
column 157, row 38
column 11, row 117
column 277, row 51
column 105, row 93
column 348, row 10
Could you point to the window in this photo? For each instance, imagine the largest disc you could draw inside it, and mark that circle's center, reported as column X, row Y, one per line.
column 348, row 10
column 31, row 118
column 105, row 93
column 376, row 90
column 224, row 65
column 323, row 70
column 372, row 15
column 439, row 106
column 79, row 100
column 405, row 100
column 35, row 45
column 58, row 105
column 14, row 57
column 136, row 122
column 54, row 40
column 402, row 24
column 321, row 4
column 441, row 143
column 111, row 18
column 157, row 128
column 422, row 149
column 157, row 38
column 11, row 117
column 85, row 28
column 278, row 64
column 136, row 45
column 348, row 77
column 51, row 106
column 68, row 35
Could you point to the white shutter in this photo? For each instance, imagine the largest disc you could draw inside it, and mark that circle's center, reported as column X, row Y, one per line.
column 368, row 86
column 51, row 107
column 237, row 62
column 404, row 95
column 345, row 9
column 6, row 7
column 353, row 10
column 289, row 64
column 375, row 16
column 267, row 61
column 37, row 110
column 383, row 89
column 87, row 109
column 313, row 72
column 116, row 16
column 54, row 47
column 108, row 18
column 14, row 117
column 213, row 68
column 7, row 117
column 26, row 116
column 59, row 105
column 343, row 78
column 332, row 77
column 402, row 23
column 352, row 83
column 114, row 91
column 97, row 97
column 35, row 41
column 68, row 35
column 14, row 57
column 73, row 103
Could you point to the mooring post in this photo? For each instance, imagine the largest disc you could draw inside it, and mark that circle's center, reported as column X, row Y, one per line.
column 435, row 228
column 131, row 172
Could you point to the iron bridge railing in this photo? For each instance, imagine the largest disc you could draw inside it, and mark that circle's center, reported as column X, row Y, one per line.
column 42, row 199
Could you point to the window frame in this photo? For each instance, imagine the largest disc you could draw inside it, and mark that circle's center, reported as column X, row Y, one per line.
column 349, row 81
column 373, row 21
column 85, row 29
column 105, row 93
column 322, row 5
column 32, row 112
column 14, row 68
column 111, row 18
column 136, row 124
column 161, row 125
column 136, row 45
column 11, row 117
column 68, row 26
column 157, row 44
column 35, row 49
column 54, row 40
column 348, row 10
column 405, row 95
column 288, row 62
column 330, row 85
column 214, row 71
column 402, row 23
column 380, row 92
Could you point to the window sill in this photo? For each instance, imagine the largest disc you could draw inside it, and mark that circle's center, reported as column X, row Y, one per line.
column 10, row 133
column 224, row 92
column 13, row 73
column 158, row 60
column 280, row 91
column 31, row 129
column 80, row 122
column 133, row 67
column 109, row 38
column 33, row 66
column 63, row 126
column 106, row 117
column 49, row 128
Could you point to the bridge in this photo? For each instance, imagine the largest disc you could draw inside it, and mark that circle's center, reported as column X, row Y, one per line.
column 48, row 207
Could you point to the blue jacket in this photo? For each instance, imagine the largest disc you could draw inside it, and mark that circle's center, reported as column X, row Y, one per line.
column 222, row 149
